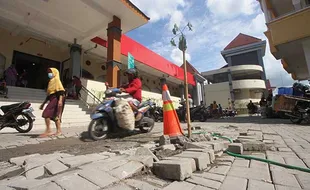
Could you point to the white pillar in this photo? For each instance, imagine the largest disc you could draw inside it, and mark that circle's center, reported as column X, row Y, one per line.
column 297, row 4
column 266, row 11
column 306, row 48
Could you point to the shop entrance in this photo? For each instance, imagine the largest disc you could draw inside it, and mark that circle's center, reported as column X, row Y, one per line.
column 35, row 69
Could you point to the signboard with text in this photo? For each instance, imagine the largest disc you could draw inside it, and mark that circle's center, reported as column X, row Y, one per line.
column 131, row 61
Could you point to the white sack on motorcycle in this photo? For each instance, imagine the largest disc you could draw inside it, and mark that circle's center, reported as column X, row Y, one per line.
column 124, row 115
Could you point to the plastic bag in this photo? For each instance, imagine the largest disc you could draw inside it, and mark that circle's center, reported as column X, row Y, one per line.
column 124, row 115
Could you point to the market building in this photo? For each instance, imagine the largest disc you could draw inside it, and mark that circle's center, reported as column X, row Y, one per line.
column 87, row 40
column 288, row 34
column 243, row 78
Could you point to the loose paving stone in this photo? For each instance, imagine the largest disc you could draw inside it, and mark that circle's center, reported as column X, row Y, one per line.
column 164, row 139
column 4, row 187
column 20, row 160
column 281, row 187
column 75, row 161
column 276, row 158
column 156, row 181
column 282, row 178
column 307, row 162
column 145, row 160
column 74, row 182
column 254, row 146
column 304, row 180
column 204, row 182
column 241, row 163
column 236, row 148
column 282, row 154
column 250, row 173
column 146, row 152
column 180, row 185
column 207, row 175
column 295, row 162
column 104, row 165
column 28, row 184
column 259, row 155
column 55, row 167
column 168, row 146
column 202, row 159
column 127, row 170
column 216, row 146
column 226, row 159
column 8, row 181
column 197, row 145
column 258, row 165
column 222, row 170
column 48, row 186
column 259, row 185
column 141, row 185
column 234, row 183
column 34, row 173
column 9, row 169
column 120, row 187
column 193, row 163
column 284, row 149
column 100, row 178
column 199, row 187
column 173, row 169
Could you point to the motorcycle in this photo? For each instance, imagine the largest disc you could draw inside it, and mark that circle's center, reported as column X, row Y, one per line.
column 17, row 116
column 199, row 113
column 104, row 121
column 301, row 110
column 155, row 113
column 229, row 113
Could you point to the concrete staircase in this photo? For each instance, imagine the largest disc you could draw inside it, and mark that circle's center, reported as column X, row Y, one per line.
column 75, row 113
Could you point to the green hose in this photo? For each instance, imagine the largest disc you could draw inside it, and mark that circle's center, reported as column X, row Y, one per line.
column 255, row 158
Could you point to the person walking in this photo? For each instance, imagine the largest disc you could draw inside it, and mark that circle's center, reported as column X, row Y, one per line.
column 78, row 86
column 56, row 98
column 11, row 76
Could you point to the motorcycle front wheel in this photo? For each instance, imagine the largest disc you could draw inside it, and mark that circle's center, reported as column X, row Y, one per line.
column 22, row 120
column 98, row 129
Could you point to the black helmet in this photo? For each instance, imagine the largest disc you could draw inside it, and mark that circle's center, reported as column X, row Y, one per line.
column 132, row 71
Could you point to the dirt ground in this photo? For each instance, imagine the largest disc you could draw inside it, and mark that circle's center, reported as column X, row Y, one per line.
column 78, row 146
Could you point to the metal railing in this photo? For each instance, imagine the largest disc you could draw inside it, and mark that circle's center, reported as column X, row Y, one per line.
column 88, row 98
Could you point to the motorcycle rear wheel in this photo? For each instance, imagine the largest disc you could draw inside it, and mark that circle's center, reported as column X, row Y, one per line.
column 149, row 122
column 98, row 129
column 21, row 122
column 297, row 120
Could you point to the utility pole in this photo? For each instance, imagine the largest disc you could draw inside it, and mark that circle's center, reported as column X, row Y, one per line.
column 182, row 46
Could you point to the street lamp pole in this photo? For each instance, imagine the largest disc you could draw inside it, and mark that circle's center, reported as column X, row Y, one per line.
column 188, row 115
column 182, row 47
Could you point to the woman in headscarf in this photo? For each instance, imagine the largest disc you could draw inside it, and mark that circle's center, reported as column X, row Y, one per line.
column 56, row 98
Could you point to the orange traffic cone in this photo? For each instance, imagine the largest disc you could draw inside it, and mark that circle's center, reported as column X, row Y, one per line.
column 172, row 125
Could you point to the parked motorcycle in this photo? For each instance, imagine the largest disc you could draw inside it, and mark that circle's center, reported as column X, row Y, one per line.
column 155, row 113
column 229, row 113
column 104, row 121
column 199, row 113
column 17, row 116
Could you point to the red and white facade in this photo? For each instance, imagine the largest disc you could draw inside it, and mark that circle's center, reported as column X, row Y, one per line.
column 90, row 36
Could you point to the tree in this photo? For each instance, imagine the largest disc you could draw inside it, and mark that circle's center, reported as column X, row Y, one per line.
column 183, row 46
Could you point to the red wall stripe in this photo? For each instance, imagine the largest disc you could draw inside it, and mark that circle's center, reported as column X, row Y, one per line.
column 149, row 58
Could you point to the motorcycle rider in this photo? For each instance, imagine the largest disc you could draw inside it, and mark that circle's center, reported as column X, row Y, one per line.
column 134, row 88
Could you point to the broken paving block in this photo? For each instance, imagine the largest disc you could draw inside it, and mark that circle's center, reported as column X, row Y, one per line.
column 173, row 169
column 202, row 159
column 164, row 139
column 236, row 148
